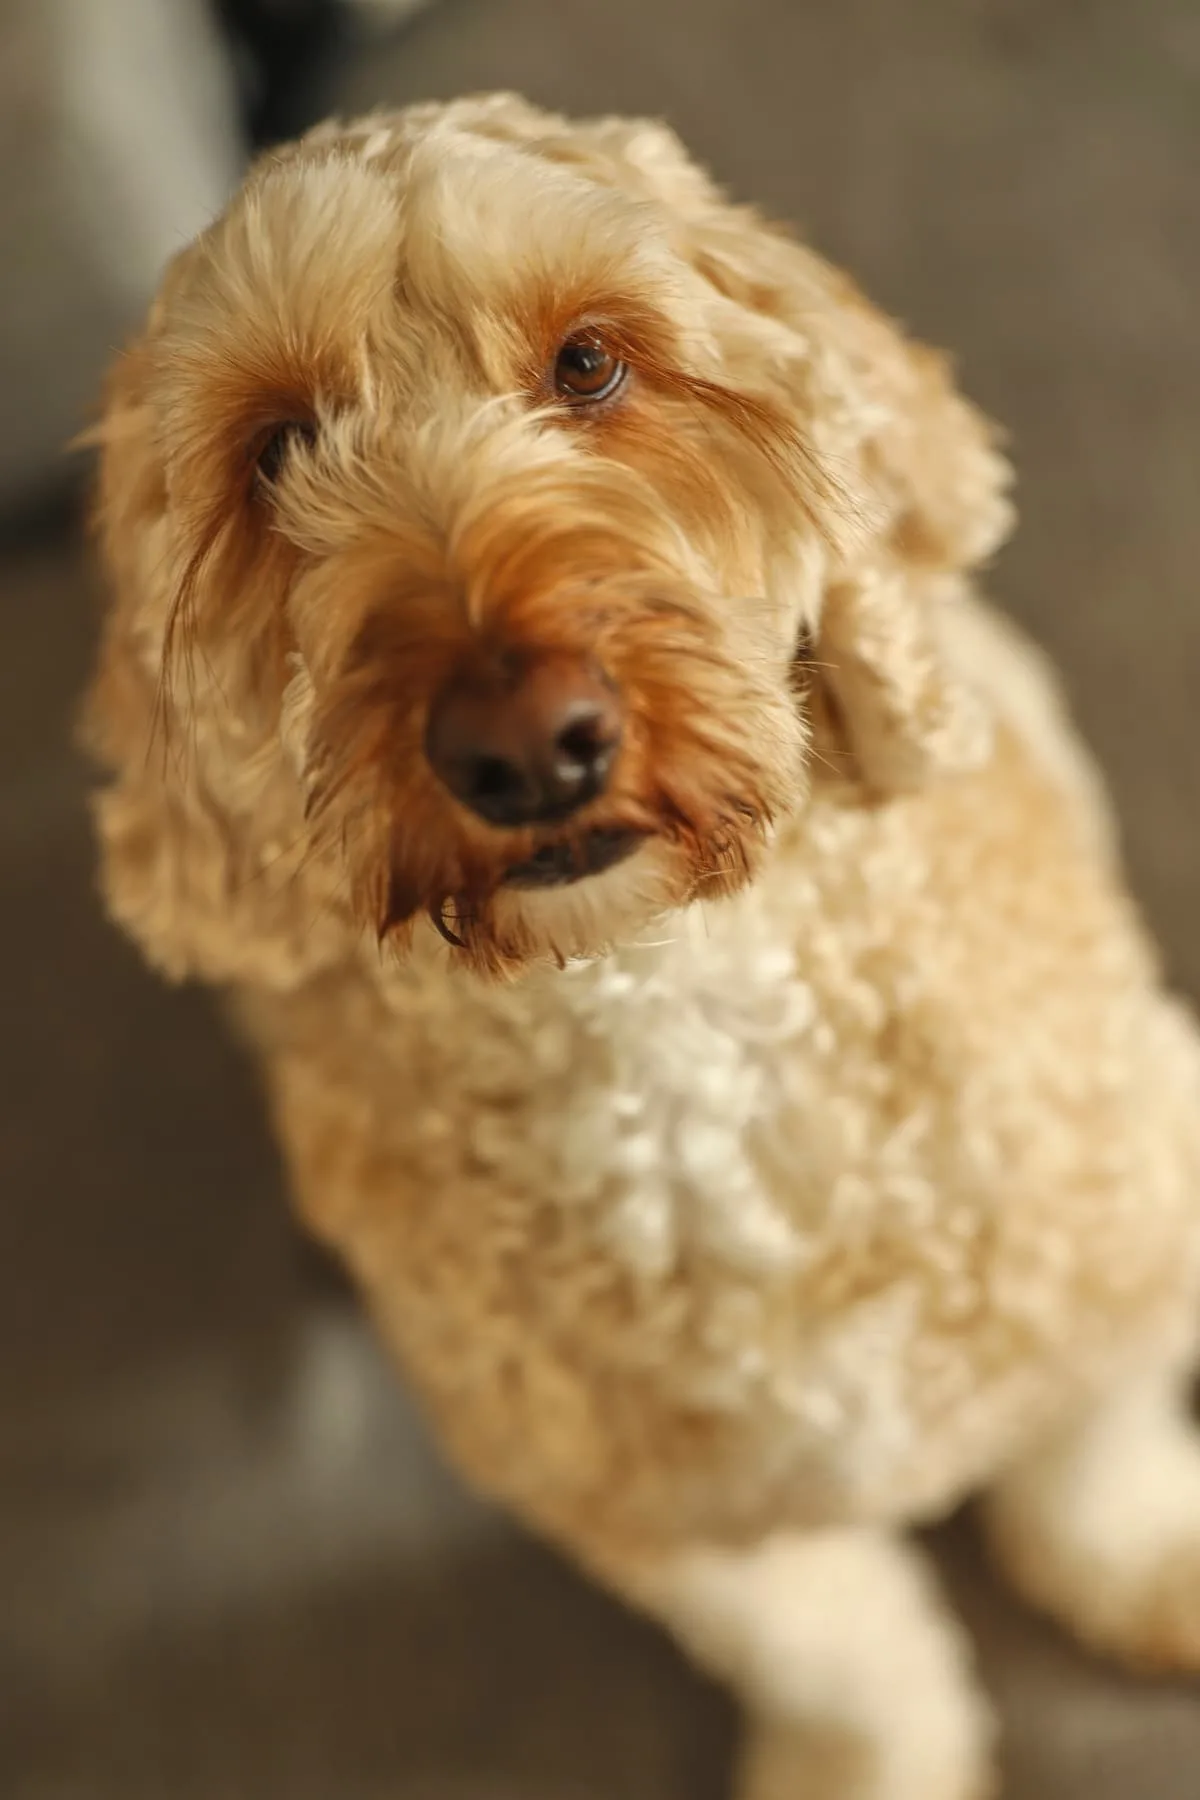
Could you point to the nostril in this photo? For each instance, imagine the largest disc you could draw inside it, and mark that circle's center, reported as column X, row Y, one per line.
column 583, row 743
column 578, row 746
column 492, row 778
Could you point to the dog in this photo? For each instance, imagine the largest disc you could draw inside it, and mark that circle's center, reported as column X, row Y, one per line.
column 684, row 940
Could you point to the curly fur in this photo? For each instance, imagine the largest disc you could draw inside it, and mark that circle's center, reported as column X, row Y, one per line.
column 836, row 1154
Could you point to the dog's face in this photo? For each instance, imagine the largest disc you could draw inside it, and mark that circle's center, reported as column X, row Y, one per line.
column 459, row 473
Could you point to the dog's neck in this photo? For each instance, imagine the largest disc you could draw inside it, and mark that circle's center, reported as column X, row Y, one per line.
column 737, row 958
column 675, row 1048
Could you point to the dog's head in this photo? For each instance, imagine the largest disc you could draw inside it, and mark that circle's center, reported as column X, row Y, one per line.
column 479, row 499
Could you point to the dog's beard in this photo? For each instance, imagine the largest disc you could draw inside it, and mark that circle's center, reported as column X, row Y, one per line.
column 576, row 896
column 687, row 816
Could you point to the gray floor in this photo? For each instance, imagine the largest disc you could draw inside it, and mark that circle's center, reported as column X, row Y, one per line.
column 230, row 1565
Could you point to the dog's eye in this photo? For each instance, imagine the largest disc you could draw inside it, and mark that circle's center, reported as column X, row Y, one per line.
column 272, row 452
column 585, row 369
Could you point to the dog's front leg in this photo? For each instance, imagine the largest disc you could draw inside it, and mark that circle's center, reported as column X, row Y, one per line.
column 855, row 1675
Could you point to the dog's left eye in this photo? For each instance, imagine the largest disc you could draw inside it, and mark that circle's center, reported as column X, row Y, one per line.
column 585, row 369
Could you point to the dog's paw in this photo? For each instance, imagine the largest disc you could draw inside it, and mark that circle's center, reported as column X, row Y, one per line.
column 1103, row 1533
column 932, row 1760
column 1164, row 1627
column 1145, row 1615
column 855, row 1675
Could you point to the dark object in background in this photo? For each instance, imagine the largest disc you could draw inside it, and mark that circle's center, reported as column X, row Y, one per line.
column 287, row 56
column 324, row 1276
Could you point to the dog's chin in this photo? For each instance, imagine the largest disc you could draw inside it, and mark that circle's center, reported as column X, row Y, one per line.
column 578, row 896
column 564, row 863
column 554, row 907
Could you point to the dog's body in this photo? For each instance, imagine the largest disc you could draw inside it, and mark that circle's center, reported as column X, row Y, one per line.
column 722, row 1235
column 749, row 1223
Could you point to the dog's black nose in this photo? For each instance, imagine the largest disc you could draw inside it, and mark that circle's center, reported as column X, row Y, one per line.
column 525, row 743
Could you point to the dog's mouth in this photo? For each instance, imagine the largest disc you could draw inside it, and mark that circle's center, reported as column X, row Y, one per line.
column 560, row 864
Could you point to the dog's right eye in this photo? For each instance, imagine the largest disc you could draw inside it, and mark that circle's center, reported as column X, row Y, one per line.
column 272, row 452
column 586, row 370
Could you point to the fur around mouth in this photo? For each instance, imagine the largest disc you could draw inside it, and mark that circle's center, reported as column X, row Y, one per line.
column 561, row 864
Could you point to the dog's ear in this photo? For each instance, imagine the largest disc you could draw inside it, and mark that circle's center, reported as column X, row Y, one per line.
column 929, row 485
column 918, row 465
column 181, row 868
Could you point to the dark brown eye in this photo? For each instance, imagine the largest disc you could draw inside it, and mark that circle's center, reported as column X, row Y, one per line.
column 272, row 454
column 585, row 370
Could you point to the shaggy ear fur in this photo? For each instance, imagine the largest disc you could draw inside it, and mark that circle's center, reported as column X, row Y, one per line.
column 881, row 412
column 178, row 872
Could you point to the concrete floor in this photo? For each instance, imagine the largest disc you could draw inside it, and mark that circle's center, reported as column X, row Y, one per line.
column 230, row 1564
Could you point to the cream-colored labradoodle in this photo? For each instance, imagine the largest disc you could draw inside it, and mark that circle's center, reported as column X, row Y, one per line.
column 682, row 935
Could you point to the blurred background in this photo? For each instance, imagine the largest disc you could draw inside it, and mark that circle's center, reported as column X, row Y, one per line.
column 231, row 1567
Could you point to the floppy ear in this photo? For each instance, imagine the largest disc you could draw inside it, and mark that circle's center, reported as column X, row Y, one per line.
column 200, row 839
column 933, row 494
column 919, row 463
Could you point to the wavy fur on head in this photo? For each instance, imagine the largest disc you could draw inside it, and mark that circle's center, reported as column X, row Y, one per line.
column 775, row 467
column 759, row 1230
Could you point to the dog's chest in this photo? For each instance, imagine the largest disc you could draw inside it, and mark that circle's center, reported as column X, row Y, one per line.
column 655, row 1102
column 852, row 1164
